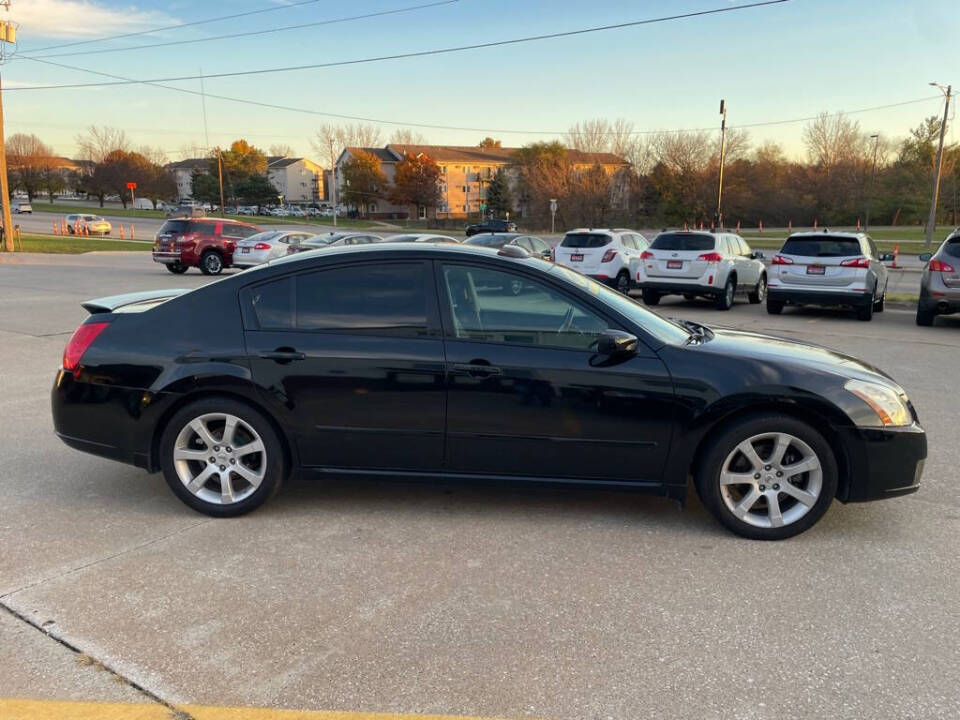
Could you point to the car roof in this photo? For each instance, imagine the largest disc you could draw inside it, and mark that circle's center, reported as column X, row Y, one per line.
column 399, row 250
column 606, row 231
column 825, row 232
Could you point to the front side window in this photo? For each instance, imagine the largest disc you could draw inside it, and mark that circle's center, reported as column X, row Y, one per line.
column 499, row 307
column 382, row 299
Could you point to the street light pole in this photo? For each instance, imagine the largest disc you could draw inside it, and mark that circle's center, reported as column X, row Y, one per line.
column 8, row 35
column 932, row 219
column 220, row 178
column 873, row 175
column 723, row 150
column 333, row 183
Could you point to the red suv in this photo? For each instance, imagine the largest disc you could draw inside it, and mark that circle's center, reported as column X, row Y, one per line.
column 206, row 243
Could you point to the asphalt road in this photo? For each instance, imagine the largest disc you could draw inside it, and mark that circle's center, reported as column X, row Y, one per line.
column 466, row 601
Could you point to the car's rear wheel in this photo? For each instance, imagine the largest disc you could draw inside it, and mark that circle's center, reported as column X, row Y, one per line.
column 176, row 268
column 211, row 263
column 865, row 311
column 221, row 457
column 623, row 282
column 768, row 477
column 651, row 297
column 878, row 305
column 925, row 316
column 725, row 298
column 774, row 307
column 759, row 292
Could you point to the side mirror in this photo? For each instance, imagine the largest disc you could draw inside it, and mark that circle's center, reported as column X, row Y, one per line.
column 925, row 257
column 886, row 257
column 757, row 255
column 617, row 343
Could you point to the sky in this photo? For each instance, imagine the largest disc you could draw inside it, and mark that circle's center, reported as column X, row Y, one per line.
column 780, row 62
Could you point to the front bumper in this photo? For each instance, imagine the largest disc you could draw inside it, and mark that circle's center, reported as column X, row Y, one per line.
column 884, row 462
column 819, row 297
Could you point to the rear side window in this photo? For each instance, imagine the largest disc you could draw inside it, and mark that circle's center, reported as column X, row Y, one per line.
column 683, row 241
column 273, row 304
column 238, row 231
column 387, row 299
column 952, row 247
column 174, row 226
column 585, row 240
column 826, row 246
column 200, row 228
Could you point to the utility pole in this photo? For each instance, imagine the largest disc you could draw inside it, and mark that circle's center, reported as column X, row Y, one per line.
column 223, row 210
column 932, row 220
column 873, row 176
column 333, row 182
column 723, row 150
column 8, row 35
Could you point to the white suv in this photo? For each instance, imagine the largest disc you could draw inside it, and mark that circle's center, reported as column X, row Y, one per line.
column 717, row 265
column 829, row 268
column 604, row 255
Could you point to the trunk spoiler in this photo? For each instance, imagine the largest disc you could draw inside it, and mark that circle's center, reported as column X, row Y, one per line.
column 114, row 302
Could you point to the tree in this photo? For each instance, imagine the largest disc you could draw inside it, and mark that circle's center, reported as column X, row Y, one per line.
column 489, row 142
column 205, row 187
column 364, row 180
column 405, row 136
column 118, row 168
column 257, row 190
column 100, row 141
column 159, row 185
column 499, row 195
column 240, row 162
column 415, row 182
column 281, row 150
column 52, row 179
column 27, row 157
column 330, row 140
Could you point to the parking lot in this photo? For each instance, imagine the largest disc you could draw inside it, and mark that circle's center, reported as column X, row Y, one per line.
column 456, row 601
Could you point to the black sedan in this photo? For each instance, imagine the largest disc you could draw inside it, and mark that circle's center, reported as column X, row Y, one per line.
column 417, row 361
column 491, row 226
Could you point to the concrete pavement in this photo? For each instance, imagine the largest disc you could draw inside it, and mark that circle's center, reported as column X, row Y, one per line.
column 468, row 601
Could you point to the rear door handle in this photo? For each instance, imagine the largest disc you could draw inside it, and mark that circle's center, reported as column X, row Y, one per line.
column 283, row 355
column 476, row 370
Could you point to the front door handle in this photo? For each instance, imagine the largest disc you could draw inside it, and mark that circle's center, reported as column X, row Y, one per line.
column 283, row 355
column 476, row 370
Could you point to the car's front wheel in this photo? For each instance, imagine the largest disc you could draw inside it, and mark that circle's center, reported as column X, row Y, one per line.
column 221, row 457
column 768, row 477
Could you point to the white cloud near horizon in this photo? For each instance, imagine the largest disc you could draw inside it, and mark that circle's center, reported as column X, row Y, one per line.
column 81, row 19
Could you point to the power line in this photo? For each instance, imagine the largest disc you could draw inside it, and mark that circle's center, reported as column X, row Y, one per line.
column 500, row 131
column 272, row 8
column 421, row 53
column 248, row 33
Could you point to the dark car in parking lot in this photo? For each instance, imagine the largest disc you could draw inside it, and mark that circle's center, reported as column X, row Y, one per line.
column 497, row 226
column 940, row 282
column 416, row 361
column 206, row 243
column 531, row 243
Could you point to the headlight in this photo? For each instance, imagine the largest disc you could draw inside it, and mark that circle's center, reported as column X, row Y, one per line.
column 885, row 402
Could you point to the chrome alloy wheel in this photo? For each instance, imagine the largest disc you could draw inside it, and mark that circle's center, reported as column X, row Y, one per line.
column 771, row 480
column 219, row 458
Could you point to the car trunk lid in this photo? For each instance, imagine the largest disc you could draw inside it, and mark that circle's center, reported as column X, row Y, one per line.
column 583, row 251
column 818, row 262
column 679, row 255
column 131, row 302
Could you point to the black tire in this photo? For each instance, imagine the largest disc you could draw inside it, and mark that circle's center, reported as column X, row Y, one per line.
column 623, row 282
column 689, row 296
column 724, row 300
column 925, row 316
column 865, row 312
column 211, row 263
column 774, row 307
column 651, row 297
column 878, row 305
column 707, row 474
column 276, row 465
column 757, row 295
column 176, row 268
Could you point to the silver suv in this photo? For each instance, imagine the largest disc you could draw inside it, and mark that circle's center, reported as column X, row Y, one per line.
column 940, row 283
column 829, row 268
column 717, row 265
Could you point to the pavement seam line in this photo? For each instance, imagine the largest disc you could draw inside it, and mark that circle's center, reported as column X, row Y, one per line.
column 90, row 564
column 176, row 713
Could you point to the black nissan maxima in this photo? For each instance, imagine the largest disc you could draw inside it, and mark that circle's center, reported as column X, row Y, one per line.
column 419, row 362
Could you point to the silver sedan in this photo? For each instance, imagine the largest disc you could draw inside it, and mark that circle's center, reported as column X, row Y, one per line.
column 265, row 246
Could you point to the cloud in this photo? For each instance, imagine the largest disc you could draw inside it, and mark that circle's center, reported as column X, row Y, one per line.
column 81, row 19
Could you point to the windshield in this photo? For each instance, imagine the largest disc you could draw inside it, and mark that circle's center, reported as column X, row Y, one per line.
column 821, row 247
column 664, row 330
column 487, row 241
column 683, row 241
column 585, row 240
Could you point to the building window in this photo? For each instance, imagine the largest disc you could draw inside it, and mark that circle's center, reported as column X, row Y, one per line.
column 372, row 207
column 422, row 213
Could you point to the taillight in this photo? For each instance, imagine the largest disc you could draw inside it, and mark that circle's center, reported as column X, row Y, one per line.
column 781, row 260
column 262, row 246
column 940, row 266
column 713, row 257
column 646, row 255
column 81, row 339
column 608, row 256
column 860, row 262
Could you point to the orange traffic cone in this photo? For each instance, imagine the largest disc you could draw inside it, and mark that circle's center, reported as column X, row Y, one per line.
column 896, row 254
column 132, row 235
column 56, row 230
column 761, row 227
column 121, row 231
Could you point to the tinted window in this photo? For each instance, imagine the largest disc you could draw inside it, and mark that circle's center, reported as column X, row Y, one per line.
column 240, row 231
column 386, row 299
column 174, row 226
column 952, row 247
column 273, row 304
column 683, row 241
column 826, row 246
column 486, row 241
column 585, row 240
column 494, row 306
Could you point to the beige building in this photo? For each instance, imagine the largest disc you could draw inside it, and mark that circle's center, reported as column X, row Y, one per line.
column 465, row 173
column 298, row 180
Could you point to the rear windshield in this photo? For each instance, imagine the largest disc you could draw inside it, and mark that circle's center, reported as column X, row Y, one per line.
column 952, row 247
column 174, row 226
column 487, row 241
column 682, row 241
column 585, row 240
column 821, row 247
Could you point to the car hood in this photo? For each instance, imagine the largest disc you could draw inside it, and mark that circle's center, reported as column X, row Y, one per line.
column 767, row 348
